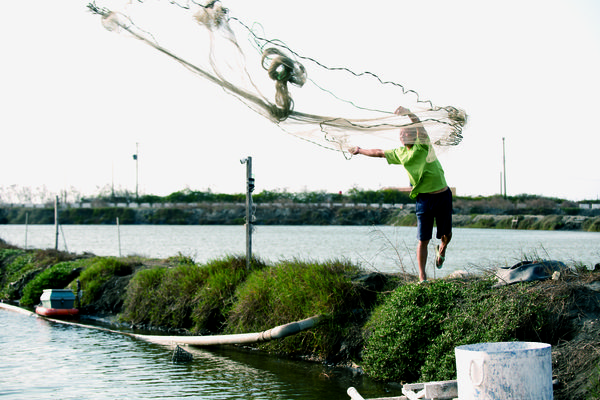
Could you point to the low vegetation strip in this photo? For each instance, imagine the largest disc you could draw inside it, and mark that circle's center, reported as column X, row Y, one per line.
column 530, row 222
column 386, row 324
column 354, row 207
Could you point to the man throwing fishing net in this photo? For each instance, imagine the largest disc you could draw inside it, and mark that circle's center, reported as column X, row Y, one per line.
column 429, row 188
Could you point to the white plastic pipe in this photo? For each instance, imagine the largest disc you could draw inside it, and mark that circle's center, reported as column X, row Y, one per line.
column 278, row 332
column 354, row 395
column 244, row 338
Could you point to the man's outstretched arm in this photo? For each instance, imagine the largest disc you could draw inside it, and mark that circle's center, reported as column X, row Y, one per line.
column 367, row 152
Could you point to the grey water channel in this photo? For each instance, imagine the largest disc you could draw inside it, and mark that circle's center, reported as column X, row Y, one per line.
column 41, row 359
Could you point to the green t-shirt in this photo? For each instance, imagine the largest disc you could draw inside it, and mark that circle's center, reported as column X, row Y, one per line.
column 425, row 177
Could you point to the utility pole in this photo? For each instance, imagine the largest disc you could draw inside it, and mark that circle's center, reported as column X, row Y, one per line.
column 504, row 165
column 112, row 182
column 249, row 213
column 135, row 157
column 56, row 223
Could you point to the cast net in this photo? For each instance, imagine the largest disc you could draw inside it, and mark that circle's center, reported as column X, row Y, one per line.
column 333, row 107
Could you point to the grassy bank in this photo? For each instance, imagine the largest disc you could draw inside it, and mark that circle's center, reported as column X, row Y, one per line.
column 528, row 222
column 394, row 329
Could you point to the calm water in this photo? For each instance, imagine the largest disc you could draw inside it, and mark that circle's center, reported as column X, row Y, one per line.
column 383, row 248
column 48, row 360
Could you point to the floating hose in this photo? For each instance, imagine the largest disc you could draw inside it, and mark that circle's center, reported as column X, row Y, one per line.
column 278, row 332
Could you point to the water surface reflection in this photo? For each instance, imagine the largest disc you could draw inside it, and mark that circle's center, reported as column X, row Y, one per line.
column 46, row 360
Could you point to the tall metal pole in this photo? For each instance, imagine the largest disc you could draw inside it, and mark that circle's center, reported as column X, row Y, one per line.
column 26, row 228
column 249, row 217
column 112, row 184
column 504, row 165
column 136, row 157
column 119, row 235
column 56, row 222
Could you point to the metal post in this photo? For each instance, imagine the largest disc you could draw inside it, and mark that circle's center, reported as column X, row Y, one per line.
column 136, row 158
column 112, row 185
column 56, row 222
column 119, row 235
column 26, row 228
column 504, row 166
column 249, row 217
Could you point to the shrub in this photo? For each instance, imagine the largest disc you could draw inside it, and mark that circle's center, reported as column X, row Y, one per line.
column 551, row 222
column 174, row 216
column 528, row 222
column 8, row 253
column 20, row 266
column 592, row 225
column 505, row 223
column 483, row 314
column 484, row 223
column 401, row 219
column 55, row 277
column 15, row 264
column 414, row 332
column 12, row 260
column 594, row 384
column 402, row 328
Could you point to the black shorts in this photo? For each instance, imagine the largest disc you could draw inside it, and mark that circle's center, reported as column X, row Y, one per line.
column 434, row 207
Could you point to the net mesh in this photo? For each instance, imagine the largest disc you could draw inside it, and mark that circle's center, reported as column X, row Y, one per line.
column 181, row 356
column 333, row 107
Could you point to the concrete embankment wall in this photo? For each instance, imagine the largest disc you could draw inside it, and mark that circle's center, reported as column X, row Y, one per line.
column 280, row 214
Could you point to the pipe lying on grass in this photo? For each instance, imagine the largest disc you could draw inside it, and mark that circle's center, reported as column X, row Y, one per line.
column 278, row 332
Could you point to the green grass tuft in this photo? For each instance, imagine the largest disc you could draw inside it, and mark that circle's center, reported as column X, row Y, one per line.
column 98, row 271
column 18, row 267
column 214, row 299
column 187, row 296
column 140, row 300
column 295, row 290
column 15, row 264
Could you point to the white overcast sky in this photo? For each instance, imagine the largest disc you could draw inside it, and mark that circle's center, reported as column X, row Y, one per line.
column 75, row 98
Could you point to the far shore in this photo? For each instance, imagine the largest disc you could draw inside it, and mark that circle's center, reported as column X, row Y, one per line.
column 278, row 213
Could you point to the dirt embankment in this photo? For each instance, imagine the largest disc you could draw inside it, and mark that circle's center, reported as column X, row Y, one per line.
column 576, row 354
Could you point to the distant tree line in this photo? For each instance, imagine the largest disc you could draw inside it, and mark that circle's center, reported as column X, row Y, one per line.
column 496, row 204
column 354, row 195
